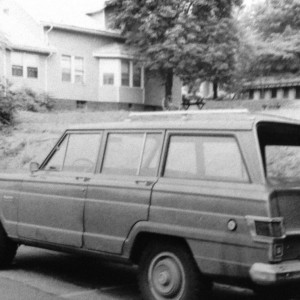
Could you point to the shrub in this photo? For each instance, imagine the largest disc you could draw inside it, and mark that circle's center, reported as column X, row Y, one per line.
column 30, row 100
column 8, row 104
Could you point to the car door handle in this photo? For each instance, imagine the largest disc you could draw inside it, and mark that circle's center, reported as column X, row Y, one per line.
column 144, row 182
column 85, row 179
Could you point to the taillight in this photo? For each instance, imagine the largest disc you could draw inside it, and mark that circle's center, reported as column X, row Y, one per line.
column 268, row 228
column 262, row 227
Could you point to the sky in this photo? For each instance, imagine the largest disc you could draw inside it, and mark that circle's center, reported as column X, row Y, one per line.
column 82, row 5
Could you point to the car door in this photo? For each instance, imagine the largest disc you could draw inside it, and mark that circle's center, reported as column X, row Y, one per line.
column 119, row 196
column 51, row 204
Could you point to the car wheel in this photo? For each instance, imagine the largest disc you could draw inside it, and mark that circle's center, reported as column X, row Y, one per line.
column 8, row 249
column 169, row 272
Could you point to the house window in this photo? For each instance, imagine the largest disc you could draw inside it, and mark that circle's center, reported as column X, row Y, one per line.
column 137, row 74
column 32, row 72
column 17, row 71
column 17, row 64
column 31, row 63
column 285, row 92
column 66, row 68
column 125, row 72
column 273, row 93
column 262, row 94
column 108, row 79
column 81, row 104
column 298, row 92
column 79, row 69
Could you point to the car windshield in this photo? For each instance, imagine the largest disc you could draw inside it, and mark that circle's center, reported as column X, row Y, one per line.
column 280, row 149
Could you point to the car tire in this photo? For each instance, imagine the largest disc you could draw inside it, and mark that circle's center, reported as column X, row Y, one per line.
column 8, row 249
column 168, row 271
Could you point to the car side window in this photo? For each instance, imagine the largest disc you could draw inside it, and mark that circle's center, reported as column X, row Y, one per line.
column 203, row 157
column 151, row 154
column 57, row 160
column 77, row 153
column 132, row 154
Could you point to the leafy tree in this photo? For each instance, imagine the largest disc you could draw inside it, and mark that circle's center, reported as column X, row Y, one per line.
column 189, row 38
column 276, row 28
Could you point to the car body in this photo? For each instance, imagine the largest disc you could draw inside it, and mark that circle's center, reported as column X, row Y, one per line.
column 183, row 195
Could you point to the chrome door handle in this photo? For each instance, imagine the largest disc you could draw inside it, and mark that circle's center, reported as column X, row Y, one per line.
column 85, row 179
column 144, row 182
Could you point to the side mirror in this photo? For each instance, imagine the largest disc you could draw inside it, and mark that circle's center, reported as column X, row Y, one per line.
column 34, row 166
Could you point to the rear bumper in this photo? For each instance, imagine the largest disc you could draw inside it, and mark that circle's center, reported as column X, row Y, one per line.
column 268, row 274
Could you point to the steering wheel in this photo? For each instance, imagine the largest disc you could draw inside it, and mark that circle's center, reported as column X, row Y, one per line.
column 83, row 162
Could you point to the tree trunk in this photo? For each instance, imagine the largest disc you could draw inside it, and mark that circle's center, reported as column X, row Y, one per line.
column 215, row 89
column 169, row 84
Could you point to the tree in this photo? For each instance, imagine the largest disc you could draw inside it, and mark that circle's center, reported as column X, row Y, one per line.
column 189, row 38
column 276, row 46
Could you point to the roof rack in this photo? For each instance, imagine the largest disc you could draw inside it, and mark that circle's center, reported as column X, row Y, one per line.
column 188, row 112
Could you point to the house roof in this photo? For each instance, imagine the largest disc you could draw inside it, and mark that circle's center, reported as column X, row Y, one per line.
column 115, row 50
column 67, row 14
column 19, row 37
column 273, row 82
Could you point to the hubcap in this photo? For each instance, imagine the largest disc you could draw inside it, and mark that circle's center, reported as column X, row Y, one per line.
column 166, row 277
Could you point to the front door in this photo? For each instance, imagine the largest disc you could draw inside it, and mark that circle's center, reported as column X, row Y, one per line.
column 51, row 204
column 119, row 196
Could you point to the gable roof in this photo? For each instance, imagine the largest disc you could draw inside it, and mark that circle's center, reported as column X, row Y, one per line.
column 20, row 37
column 65, row 15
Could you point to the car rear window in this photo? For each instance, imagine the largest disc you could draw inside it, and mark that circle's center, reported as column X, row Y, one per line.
column 280, row 149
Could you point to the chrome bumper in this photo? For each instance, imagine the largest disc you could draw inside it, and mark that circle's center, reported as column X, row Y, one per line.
column 268, row 274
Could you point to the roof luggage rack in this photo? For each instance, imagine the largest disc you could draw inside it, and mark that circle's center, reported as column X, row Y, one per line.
column 187, row 113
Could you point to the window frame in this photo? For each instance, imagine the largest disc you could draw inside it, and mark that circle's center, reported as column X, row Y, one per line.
column 128, row 131
column 73, row 70
column 184, row 133
column 62, row 68
column 66, row 135
column 286, row 92
column 15, row 69
column 34, row 71
column 274, row 93
column 77, row 71
column 135, row 67
column 106, row 77
column 128, row 74
column 297, row 92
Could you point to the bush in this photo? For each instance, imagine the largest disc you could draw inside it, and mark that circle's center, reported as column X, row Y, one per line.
column 30, row 100
column 8, row 104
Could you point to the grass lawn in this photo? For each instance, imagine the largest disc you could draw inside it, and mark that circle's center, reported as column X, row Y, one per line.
column 34, row 134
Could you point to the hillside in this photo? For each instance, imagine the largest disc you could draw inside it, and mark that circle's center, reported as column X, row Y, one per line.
column 34, row 134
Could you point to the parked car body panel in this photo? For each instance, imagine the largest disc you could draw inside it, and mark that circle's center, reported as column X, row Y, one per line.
column 215, row 210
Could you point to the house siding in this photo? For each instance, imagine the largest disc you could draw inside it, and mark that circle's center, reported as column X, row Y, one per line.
column 131, row 95
column 75, row 44
column 38, row 84
column 108, row 94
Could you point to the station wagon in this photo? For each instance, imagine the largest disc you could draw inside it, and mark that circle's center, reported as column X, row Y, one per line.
column 191, row 198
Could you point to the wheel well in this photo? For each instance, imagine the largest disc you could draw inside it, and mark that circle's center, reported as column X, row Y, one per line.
column 145, row 238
